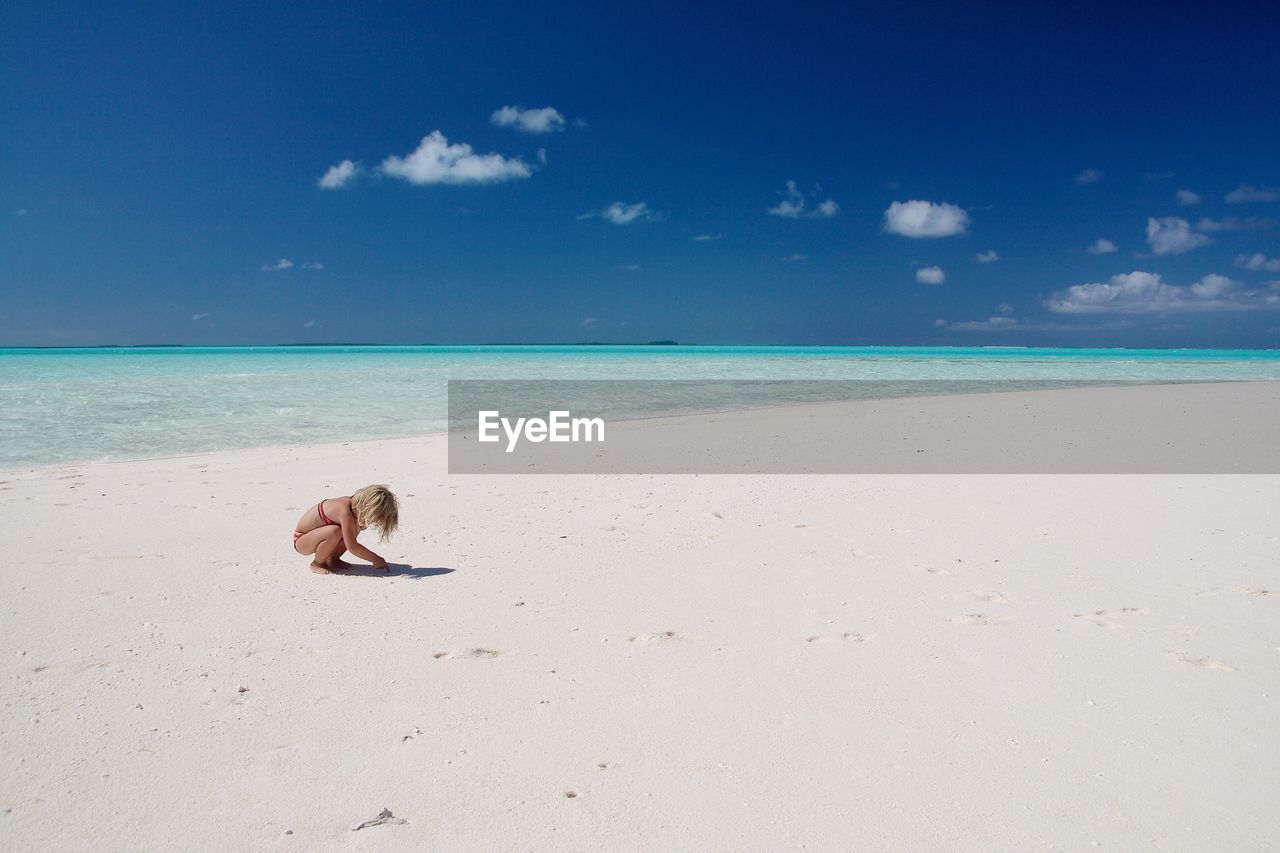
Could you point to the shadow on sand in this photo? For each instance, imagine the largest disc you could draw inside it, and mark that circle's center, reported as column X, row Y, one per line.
column 394, row 570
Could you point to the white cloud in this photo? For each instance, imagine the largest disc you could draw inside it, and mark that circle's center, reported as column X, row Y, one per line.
column 1089, row 176
column 1187, row 197
column 1234, row 223
column 542, row 156
column 795, row 206
column 1245, row 193
column 588, row 323
column 702, row 238
column 1102, row 247
column 312, row 265
column 790, row 258
column 282, row 264
column 1006, row 323
column 930, row 275
column 435, row 161
column 1010, row 324
column 22, row 211
column 1214, row 286
column 989, row 257
column 200, row 316
column 1005, row 308
column 545, row 120
column 1258, row 262
column 1172, row 235
column 338, row 176
column 792, row 206
column 1147, row 293
column 308, row 324
column 925, row 219
column 991, row 324
column 621, row 213
column 629, row 267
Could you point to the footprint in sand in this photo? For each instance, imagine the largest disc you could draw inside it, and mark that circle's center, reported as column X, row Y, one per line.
column 848, row 636
column 1108, row 618
column 1206, row 662
column 991, row 597
column 935, row 570
column 468, row 653
column 659, row 637
column 980, row 619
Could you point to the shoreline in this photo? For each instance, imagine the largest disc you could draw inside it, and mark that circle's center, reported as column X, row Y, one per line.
column 797, row 408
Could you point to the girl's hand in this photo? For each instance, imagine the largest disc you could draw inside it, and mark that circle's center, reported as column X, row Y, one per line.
column 379, row 563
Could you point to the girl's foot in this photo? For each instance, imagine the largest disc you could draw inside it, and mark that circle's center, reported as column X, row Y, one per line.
column 320, row 569
column 338, row 564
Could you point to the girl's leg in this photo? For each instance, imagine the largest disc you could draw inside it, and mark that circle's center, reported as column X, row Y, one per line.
column 335, row 560
column 323, row 542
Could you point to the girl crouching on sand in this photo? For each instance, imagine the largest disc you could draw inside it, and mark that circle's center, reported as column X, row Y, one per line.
column 329, row 529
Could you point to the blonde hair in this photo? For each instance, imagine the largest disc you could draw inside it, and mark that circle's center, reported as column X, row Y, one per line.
column 375, row 506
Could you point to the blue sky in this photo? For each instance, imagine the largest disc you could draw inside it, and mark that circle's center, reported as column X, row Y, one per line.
column 160, row 159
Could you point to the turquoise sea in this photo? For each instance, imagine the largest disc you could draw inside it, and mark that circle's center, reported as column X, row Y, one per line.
column 99, row 404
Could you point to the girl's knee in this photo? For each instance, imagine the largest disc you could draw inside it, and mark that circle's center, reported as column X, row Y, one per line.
column 332, row 539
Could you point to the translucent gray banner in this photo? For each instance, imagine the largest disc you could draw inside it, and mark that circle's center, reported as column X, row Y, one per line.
column 862, row 427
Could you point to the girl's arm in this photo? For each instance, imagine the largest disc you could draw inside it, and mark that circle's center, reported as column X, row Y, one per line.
column 349, row 533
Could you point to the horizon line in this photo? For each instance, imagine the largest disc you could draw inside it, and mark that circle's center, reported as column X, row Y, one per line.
column 659, row 343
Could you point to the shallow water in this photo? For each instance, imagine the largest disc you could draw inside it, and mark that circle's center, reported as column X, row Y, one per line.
column 65, row 405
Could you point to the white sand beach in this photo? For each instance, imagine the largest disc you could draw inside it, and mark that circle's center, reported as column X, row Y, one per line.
column 902, row 662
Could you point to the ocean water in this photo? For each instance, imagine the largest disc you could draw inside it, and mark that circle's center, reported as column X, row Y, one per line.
column 101, row 404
